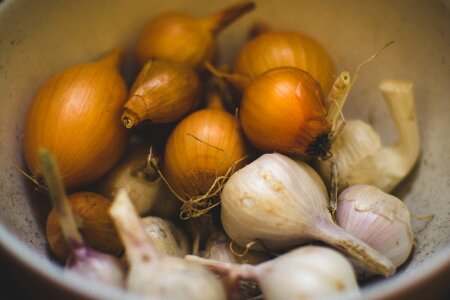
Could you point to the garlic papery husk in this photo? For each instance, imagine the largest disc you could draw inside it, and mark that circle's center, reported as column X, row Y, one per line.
column 168, row 238
column 282, row 203
column 309, row 272
column 152, row 273
column 383, row 167
column 381, row 220
column 356, row 141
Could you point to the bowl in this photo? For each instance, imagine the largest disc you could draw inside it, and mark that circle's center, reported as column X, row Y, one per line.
column 38, row 38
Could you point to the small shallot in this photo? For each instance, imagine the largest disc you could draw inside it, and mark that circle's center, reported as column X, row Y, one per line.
column 82, row 260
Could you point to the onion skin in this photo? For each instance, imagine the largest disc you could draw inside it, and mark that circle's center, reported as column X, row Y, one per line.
column 202, row 147
column 163, row 92
column 94, row 223
column 181, row 37
column 283, row 110
column 274, row 49
column 76, row 116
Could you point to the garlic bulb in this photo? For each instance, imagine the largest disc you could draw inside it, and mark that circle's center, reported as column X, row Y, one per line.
column 168, row 238
column 309, row 272
column 218, row 248
column 379, row 219
column 283, row 203
column 152, row 273
column 357, row 152
column 136, row 174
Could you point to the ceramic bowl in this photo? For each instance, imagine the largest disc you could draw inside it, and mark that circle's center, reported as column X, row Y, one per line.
column 38, row 38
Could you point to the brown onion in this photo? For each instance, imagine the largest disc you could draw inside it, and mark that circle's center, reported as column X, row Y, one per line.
column 201, row 152
column 181, row 37
column 76, row 116
column 286, row 48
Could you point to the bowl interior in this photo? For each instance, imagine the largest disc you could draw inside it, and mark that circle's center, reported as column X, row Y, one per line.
column 38, row 38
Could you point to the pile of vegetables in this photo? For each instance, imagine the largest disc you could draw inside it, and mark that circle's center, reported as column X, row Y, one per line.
column 183, row 187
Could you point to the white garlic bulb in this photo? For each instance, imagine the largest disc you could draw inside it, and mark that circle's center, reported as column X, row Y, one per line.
column 168, row 238
column 152, row 273
column 282, row 203
column 309, row 272
column 358, row 154
column 379, row 219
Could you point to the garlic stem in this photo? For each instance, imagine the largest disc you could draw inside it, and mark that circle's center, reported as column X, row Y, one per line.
column 399, row 97
column 362, row 252
column 59, row 198
column 337, row 97
column 221, row 19
column 133, row 235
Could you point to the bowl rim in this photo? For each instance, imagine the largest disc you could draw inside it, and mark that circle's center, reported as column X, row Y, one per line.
column 13, row 247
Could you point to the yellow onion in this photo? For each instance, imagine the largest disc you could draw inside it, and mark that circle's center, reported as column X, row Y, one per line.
column 203, row 149
column 273, row 49
column 76, row 116
column 181, row 37
column 283, row 110
column 92, row 218
column 163, row 92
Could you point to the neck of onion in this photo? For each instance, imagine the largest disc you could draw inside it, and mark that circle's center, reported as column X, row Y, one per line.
column 216, row 22
column 113, row 59
column 370, row 258
column 238, row 80
column 138, row 244
column 60, row 201
column 399, row 98
column 258, row 28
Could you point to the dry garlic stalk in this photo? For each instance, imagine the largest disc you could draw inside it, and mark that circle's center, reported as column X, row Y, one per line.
column 357, row 151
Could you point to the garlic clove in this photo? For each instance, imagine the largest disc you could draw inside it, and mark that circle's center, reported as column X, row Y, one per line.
column 168, row 238
column 381, row 220
column 283, row 203
column 356, row 142
column 163, row 92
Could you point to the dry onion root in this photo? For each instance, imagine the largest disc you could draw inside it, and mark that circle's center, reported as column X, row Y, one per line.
column 152, row 273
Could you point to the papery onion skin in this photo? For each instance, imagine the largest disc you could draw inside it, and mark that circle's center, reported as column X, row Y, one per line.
column 181, row 37
column 94, row 223
column 283, row 110
column 76, row 116
column 203, row 146
column 286, row 48
column 163, row 92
